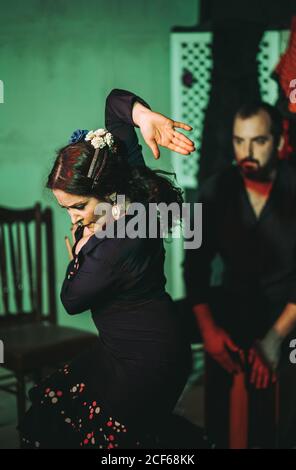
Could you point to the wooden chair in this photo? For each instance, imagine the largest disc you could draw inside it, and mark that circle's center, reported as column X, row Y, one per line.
column 28, row 322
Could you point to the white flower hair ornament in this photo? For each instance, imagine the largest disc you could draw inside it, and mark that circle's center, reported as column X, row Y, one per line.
column 99, row 139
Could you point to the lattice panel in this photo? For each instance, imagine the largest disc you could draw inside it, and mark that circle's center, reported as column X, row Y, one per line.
column 272, row 45
column 191, row 65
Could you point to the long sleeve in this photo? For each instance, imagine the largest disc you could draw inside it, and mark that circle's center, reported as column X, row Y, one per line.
column 198, row 262
column 92, row 283
column 118, row 120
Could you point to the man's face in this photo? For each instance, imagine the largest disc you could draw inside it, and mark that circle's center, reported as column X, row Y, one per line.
column 80, row 208
column 254, row 145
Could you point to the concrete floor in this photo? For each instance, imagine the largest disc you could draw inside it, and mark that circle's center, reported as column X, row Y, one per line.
column 190, row 405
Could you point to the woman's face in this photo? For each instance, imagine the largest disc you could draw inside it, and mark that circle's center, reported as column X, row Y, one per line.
column 80, row 208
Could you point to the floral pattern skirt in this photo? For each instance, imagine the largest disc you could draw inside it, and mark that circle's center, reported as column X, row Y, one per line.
column 64, row 415
column 73, row 408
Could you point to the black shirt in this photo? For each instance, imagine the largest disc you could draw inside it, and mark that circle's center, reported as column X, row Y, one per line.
column 258, row 254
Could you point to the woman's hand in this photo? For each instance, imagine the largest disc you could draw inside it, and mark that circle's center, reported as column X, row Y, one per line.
column 69, row 247
column 160, row 130
column 68, row 243
column 88, row 232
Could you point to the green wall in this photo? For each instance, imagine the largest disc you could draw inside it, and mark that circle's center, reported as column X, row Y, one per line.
column 58, row 61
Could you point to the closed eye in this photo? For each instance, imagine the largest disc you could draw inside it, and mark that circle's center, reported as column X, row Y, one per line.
column 79, row 207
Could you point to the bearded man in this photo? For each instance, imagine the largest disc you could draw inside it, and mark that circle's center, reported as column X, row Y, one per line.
column 249, row 220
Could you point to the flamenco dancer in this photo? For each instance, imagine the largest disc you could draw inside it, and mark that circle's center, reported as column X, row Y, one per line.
column 122, row 391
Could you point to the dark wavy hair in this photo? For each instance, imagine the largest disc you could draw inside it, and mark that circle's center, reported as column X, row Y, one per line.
column 252, row 108
column 113, row 174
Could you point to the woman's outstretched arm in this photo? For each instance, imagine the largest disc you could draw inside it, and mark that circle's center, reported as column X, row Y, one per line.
column 119, row 121
column 124, row 110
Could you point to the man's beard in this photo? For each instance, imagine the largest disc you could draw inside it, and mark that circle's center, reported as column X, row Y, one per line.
column 255, row 171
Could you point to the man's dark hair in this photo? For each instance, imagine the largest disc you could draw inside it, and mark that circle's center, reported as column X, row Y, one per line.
column 250, row 109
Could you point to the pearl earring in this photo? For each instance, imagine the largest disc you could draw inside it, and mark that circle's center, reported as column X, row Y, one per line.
column 115, row 207
column 115, row 211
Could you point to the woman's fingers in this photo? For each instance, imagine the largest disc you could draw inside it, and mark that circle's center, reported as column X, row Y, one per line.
column 182, row 138
column 69, row 247
column 154, row 147
column 168, row 137
column 178, row 149
column 73, row 230
column 182, row 125
column 183, row 144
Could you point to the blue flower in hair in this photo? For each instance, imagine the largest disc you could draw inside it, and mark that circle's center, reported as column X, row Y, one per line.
column 78, row 136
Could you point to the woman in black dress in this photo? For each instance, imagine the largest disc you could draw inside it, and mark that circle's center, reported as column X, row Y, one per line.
column 121, row 392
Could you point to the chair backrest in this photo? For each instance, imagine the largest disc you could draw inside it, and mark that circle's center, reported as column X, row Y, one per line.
column 27, row 266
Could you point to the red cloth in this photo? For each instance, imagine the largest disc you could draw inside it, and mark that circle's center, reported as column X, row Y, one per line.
column 287, row 150
column 285, row 74
column 286, row 68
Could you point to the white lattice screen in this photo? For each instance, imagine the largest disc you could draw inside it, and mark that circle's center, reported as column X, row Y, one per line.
column 192, row 52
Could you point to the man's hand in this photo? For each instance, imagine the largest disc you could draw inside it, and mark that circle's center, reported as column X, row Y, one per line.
column 261, row 376
column 220, row 346
column 269, row 348
column 160, row 130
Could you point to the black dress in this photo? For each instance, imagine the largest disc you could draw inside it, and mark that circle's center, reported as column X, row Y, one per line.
column 119, row 393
